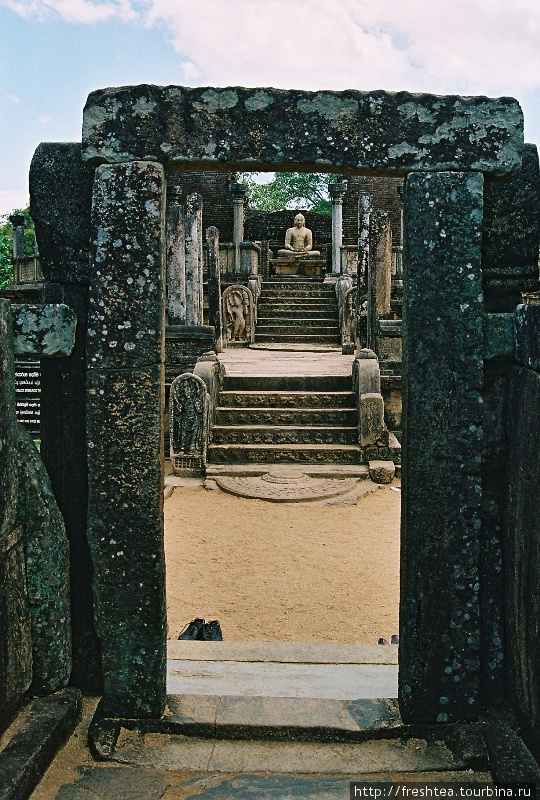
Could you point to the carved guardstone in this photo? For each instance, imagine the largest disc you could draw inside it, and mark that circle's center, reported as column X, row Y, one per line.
column 238, row 316
column 188, row 420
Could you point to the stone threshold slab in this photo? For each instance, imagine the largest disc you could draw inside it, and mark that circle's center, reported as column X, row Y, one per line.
column 29, row 752
column 245, row 679
column 283, row 652
column 311, row 470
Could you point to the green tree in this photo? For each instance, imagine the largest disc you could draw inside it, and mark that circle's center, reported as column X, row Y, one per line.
column 6, row 243
column 290, row 190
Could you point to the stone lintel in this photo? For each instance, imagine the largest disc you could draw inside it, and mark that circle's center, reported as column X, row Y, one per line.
column 261, row 129
column 43, row 330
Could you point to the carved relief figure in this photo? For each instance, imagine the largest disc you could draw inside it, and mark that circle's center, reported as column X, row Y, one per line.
column 187, row 415
column 349, row 316
column 298, row 240
column 238, row 313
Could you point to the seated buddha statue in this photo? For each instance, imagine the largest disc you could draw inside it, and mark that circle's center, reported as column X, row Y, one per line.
column 298, row 241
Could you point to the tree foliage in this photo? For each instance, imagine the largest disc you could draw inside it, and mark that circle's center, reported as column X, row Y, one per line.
column 307, row 190
column 6, row 243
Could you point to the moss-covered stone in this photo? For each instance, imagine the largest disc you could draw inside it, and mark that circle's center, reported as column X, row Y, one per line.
column 45, row 330
column 257, row 129
column 442, row 435
column 47, row 571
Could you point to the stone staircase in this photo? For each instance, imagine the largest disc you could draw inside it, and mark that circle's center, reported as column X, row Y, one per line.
column 297, row 311
column 285, row 420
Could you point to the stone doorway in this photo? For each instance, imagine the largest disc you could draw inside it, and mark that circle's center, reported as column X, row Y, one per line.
column 259, row 129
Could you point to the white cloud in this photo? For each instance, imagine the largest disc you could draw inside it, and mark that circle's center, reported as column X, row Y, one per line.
column 14, row 99
column 443, row 46
column 11, row 199
column 43, row 119
column 76, row 11
column 462, row 46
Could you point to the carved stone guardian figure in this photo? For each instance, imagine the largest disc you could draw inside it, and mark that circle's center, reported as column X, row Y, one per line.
column 188, row 424
column 238, row 316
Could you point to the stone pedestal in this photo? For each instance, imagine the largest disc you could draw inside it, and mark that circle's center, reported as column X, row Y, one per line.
column 298, row 266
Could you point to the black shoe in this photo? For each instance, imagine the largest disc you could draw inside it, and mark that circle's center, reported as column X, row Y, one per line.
column 193, row 630
column 211, row 632
column 394, row 639
column 382, row 640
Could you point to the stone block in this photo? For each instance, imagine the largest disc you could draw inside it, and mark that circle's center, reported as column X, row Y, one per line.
column 45, row 330
column 522, row 551
column 512, row 235
column 366, row 375
column 47, row 572
column 60, row 204
column 527, row 327
column 8, row 458
column 125, row 533
column 382, row 471
column 499, row 335
column 184, row 345
column 259, row 129
column 371, row 418
column 442, row 454
column 126, row 313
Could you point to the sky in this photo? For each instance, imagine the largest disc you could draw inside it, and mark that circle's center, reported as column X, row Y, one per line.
column 54, row 52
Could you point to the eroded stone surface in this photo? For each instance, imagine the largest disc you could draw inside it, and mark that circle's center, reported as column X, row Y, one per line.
column 126, row 293
column 382, row 471
column 527, row 326
column 512, row 235
column 443, row 419
column 47, row 330
column 285, row 485
column 47, row 572
column 256, row 129
column 60, row 203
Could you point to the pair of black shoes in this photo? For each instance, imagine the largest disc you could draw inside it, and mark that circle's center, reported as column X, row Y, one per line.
column 199, row 630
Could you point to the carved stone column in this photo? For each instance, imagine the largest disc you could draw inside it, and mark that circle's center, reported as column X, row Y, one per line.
column 176, row 258
column 365, row 207
column 194, row 260
column 337, row 190
column 238, row 191
column 214, row 285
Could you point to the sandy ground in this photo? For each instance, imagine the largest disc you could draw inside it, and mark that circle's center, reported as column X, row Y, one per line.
column 283, row 571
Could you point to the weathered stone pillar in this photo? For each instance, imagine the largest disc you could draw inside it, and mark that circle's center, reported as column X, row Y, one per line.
column 194, row 260
column 442, row 438
column 365, row 207
column 125, row 437
column 176, row 258
column 214, row 285
column 16, row 649
column 238, row 191
column 17, row 220
column 337, row 190
column 379, row 276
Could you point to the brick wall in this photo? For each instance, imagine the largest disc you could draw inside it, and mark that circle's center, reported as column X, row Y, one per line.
column 385, row 198
column 217, row 200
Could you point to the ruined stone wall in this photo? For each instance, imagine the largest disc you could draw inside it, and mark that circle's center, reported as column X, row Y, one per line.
column 385, row 198
column 271, row 226
column 217, row 199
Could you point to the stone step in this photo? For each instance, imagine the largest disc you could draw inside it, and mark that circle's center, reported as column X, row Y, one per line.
column 292, row 312
column 314, row 384
column 283, row 435
column 305, row 320
column 284, row 454
column 304, row 339
column 285, row 400
column 287, row 416
column 284, row 294
column 307, row 329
